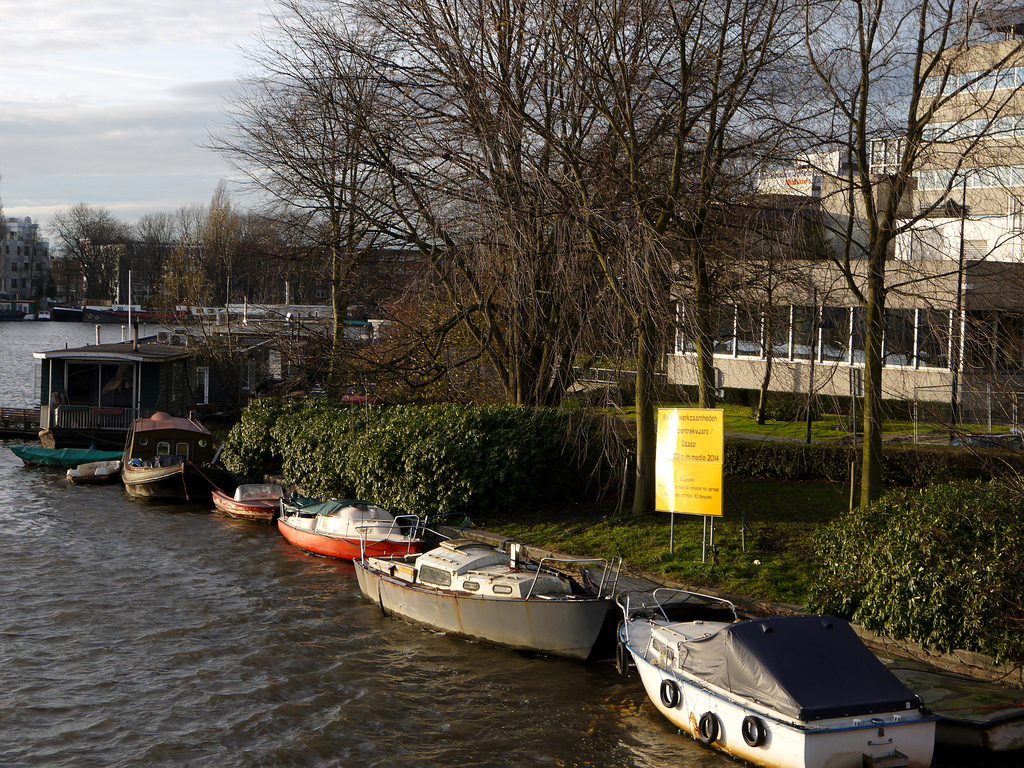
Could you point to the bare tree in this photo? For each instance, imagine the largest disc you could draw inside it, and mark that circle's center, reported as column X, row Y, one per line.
column 888, row 70
column 93, row 238
column 683, row 99
column 476, row 188
column 291, row 133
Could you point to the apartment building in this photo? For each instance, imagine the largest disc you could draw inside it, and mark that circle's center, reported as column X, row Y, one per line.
column 24, row 260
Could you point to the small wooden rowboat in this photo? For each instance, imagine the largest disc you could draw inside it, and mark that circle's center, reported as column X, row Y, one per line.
column 258, row 501
column 95, row 472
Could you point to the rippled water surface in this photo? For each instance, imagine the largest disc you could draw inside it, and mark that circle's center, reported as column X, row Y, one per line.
column 140, row 634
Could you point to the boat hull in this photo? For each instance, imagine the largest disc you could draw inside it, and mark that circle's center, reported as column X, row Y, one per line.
column 181, row 482
column 839, row 743
column 262, row 510
column 343, row 548
column 566, row 627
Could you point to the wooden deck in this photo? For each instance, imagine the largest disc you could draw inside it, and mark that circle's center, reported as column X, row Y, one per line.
column 19, row 422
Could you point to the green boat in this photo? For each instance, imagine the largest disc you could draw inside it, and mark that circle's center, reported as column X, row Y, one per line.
column 35, row 456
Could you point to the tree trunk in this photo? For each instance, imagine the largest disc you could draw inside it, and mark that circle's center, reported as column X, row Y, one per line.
column 646, row 427
column 871, row 469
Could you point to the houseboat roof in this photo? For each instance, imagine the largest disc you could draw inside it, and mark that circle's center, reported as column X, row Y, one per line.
column 147, row 350
column 161, row 422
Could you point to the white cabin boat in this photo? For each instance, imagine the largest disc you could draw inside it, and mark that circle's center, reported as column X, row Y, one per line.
column 470, row 589
column 785, row 691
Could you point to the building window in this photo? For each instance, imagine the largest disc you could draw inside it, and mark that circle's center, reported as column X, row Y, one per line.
column 1010, row 349
column 899, row 337
column 725, row 335
column 748, row 333
column 857, row 342
column 804, row 332
column 835, row 334
column 778, row 330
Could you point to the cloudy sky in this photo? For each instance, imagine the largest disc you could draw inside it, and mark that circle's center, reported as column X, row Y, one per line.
column 109, row 102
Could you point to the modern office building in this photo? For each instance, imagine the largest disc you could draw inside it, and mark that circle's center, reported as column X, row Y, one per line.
column 954, row 322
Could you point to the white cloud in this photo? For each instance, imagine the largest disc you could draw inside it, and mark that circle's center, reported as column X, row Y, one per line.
column 110, row 104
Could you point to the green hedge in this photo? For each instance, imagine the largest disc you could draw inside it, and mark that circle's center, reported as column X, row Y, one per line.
column 435, row 459
column 902, row 464
column 941, row 566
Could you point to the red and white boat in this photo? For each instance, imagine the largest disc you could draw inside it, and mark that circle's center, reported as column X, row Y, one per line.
column 347, row 530
column 256, row 501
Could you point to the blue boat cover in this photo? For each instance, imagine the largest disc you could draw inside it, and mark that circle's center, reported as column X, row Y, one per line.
column 806, row 667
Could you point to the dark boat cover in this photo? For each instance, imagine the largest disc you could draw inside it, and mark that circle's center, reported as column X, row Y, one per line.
column 806, row 667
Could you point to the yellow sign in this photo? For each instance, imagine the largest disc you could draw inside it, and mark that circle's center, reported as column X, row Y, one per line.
column 688, row 463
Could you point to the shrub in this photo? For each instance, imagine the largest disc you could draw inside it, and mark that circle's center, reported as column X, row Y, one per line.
column 940, row 566
column 434, row 459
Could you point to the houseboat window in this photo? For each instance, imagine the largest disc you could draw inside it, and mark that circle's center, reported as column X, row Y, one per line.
column 202, row 442
column 143, row 441
column 470, row 586
column 83, row 385
column 431, row 575
column 116, row 386
column 502, row 589
column 202, row 387
column 181, row 449
column 163, row 449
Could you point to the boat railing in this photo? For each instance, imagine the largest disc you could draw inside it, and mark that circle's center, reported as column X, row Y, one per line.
column 663, row 598
column 406, row 526
column 609, row 571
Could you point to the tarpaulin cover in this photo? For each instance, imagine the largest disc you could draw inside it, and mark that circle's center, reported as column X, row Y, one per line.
column 806, row 667
column 308, row 506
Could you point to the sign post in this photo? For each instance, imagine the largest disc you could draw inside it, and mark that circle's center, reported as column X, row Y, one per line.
column 688, row 464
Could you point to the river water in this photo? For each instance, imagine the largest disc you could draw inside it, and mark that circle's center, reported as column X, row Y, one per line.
column 139, row 634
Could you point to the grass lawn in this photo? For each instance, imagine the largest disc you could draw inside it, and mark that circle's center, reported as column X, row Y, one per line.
column 778, row 564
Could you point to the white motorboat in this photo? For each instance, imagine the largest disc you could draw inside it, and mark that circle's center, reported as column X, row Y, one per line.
column 93, row 472
column 785, row 691
column 470, row 589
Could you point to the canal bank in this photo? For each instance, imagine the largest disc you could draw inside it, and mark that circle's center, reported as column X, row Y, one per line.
column 979, row 702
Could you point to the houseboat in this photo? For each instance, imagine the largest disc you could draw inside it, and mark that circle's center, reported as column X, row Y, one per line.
column 172, row 459
column 91, row 395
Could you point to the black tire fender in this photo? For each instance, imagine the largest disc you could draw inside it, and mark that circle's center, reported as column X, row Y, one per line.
column 670, row 693
column 621, row 658
column 708, row 728
column 754, row 731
